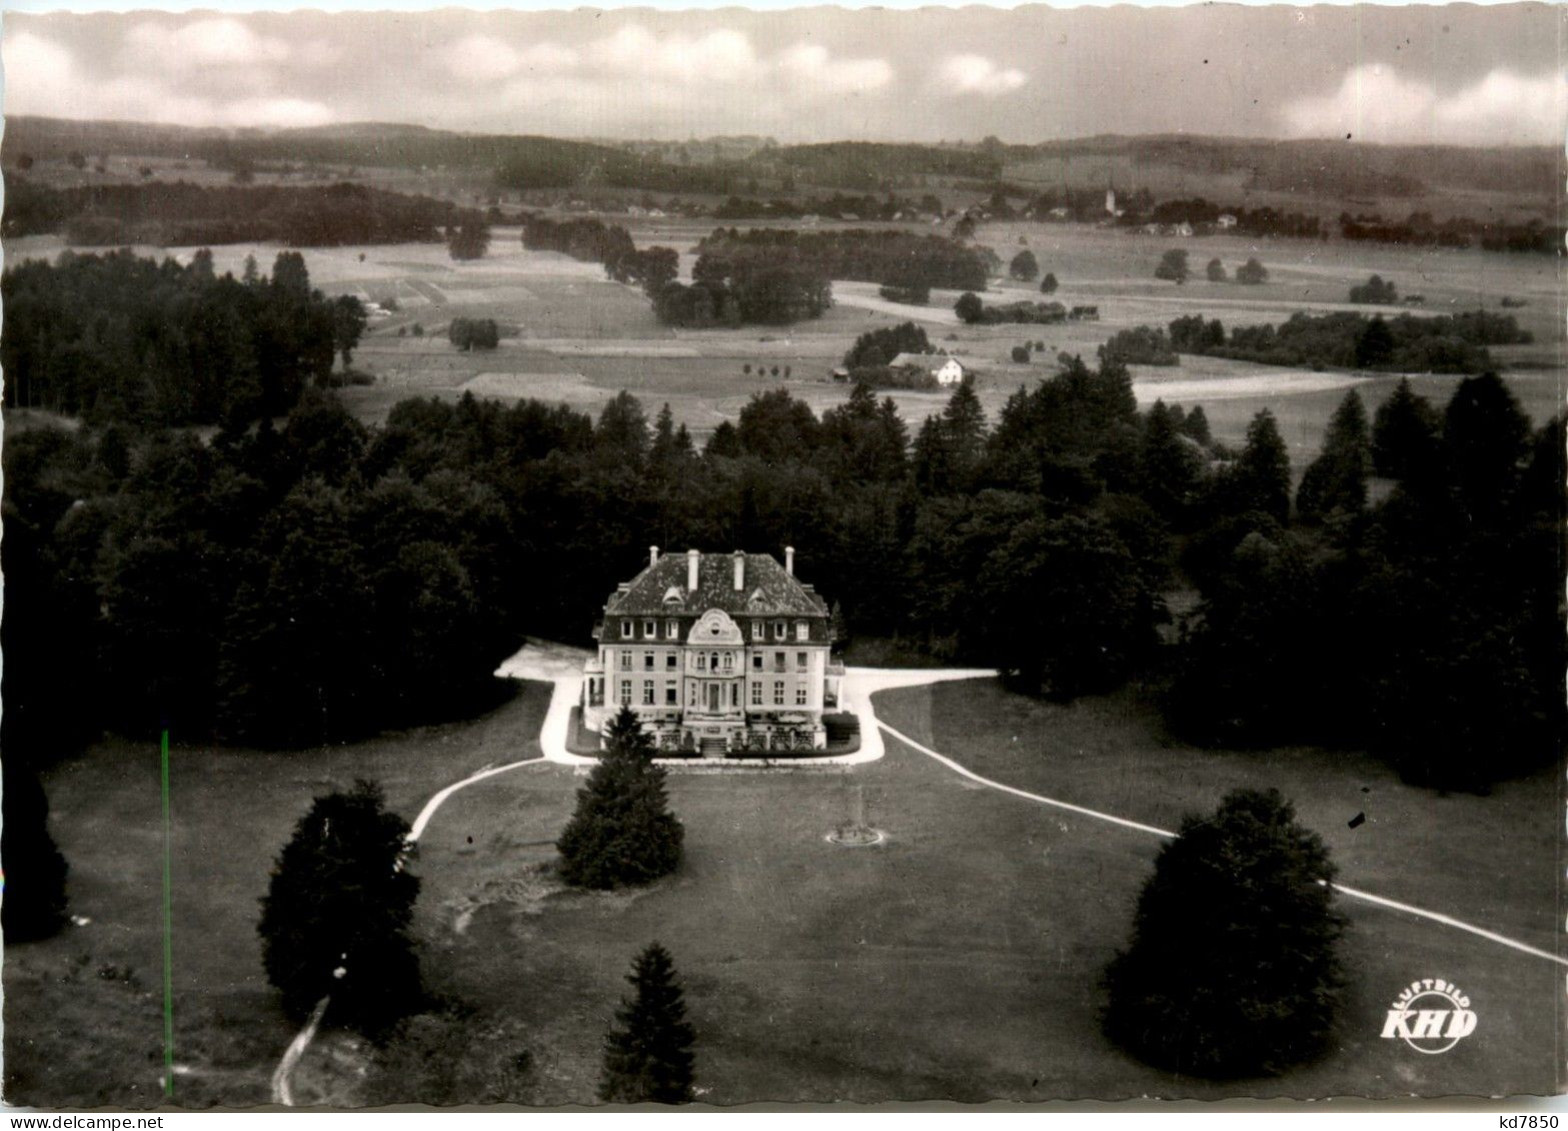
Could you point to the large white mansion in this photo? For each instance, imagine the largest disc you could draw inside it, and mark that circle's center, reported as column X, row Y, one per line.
column 716, row 652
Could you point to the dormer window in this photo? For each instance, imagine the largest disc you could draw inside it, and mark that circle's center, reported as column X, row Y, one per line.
column 759, row 631
column 778, row 630
column 673, row 629
column 650, row 629
column 802, row 630
column 626, row 629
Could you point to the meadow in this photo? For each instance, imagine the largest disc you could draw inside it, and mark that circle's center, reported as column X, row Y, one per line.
column 958, row 960
column 571, row 335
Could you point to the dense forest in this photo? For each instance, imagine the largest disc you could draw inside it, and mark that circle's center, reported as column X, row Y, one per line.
column 896, row 257
column 161, row 214
column 120, row 339
column 319, row 580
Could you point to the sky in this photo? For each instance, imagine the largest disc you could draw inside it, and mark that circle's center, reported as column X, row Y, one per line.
column 1454, row 74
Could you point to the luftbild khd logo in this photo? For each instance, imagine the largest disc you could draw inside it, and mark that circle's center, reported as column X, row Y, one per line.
column 1431, row 1016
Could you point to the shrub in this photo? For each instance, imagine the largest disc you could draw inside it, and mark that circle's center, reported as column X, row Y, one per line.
column 1048, row 284
column 474, row 333
column 1141, row 345
column 1233, row 967
column 1252, row 273
column 1021, row 354
column 1173, row 266
column 1375, row 291
column 1215, row 271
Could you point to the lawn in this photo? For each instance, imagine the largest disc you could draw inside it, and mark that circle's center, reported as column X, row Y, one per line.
column 83, row 1011
column 958, row 960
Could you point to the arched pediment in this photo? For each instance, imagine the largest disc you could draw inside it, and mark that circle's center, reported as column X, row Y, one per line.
column 715, row 627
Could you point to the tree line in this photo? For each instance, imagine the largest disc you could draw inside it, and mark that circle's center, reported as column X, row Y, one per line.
column 120, row 338
column 1444, row 343
column 896, row 257
column 162, row 214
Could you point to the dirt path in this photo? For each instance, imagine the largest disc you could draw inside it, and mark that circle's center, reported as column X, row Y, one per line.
column 1348, row 892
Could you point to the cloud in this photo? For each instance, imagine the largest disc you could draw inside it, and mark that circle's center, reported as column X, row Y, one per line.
column 813, row 68
column 40, row 75
column 1374, row 103
column 719, row 56
column 975, row 74
column 203, row 43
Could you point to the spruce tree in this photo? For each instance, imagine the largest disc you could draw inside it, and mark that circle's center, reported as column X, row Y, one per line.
column 1404, row 433
column 1262, row 475
column 341, row 900
column 622, row 832
column 1233, row 967
column 34, row 905
column 1337, row 480
column 648, row 1054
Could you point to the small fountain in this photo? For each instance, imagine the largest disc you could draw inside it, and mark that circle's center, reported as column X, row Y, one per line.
column 856, row 833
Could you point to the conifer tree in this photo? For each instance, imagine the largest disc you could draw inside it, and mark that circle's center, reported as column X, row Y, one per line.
column 1263, row 471
column 341, row 900
column 622, row 832
column 1337, row 479
column 1233, row 967
column 1404, row 433
column 648, row 1054
column 34, row 905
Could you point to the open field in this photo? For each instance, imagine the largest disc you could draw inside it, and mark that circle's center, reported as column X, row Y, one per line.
column 574, row 336
column 959, row 960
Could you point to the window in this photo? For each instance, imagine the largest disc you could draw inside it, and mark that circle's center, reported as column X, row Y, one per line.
column 626, row 693
column 800, row 695
column 647, row 661
column 756, row 695
column 756, row 661
column 647, row 692
column 759, row 630
column 669, row 694
column 734, row 695
column 669, row 661
column 778, row 693
column 691, row 694
column 778, row 661
column 702, row 661
column 626, row 630
column 649, row 629
column 626, row 659
column 729, row 662
column 802, row 630
column 778, row 630
column 800, row 661
column 672, row 629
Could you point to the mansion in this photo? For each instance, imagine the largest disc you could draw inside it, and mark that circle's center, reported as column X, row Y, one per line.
column 715, row 653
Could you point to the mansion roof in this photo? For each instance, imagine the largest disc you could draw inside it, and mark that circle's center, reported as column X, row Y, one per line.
column 767, row 589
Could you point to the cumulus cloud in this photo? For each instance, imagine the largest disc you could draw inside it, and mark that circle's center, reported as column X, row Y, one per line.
column 813, row 68
column 975, row 74
column 223, row 42
column 1375, row 103
column 40, row 75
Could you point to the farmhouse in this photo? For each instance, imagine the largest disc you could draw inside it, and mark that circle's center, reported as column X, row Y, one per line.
column 716, row 652
column 946, row 370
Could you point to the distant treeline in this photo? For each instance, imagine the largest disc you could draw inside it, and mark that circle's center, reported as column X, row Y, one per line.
column 740, row 284
column 1419, row 229
column 871, row 165
column 186, row 215
column 835, row 207
column 1446, row 343
column 121, row 338
column 896, row 257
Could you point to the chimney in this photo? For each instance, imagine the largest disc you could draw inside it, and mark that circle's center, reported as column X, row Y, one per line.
column 740, row 570
column 653, row 556
column 789, row 560
column 692, row 558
